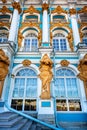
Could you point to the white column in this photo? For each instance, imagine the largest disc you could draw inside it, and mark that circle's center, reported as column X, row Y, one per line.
column 45, row 23
column 14, row 23
column 75, row 30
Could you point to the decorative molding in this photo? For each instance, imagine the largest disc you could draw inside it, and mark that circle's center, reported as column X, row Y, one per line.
column 83, row 10
column 45, row 6
column 4, row 24
column 26, row 63
column 72, row 11
column 45, row 76
column 4, row 1
column 64, row 63
column 70, row 40
column 59, row 10
column 31, row 25
column 20, row 38
column 82, row 67
column 83, row 25
column 16, row 5
column 5, row 10
column 31, row 10
column 4, row 64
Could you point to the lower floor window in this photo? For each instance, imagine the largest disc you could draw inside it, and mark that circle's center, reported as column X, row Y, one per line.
column 24, row 105
column 68, row 105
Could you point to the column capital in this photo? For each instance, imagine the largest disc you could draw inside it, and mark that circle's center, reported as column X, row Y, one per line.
column 72, row 11
column 16, row 5
column 45, row 6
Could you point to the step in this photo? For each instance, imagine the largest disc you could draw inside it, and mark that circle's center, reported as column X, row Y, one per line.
column 27, row 125
column 33, row 127
column 8, row 117
column 10, row 123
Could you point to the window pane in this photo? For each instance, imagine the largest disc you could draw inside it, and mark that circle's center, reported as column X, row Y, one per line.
column 74, row 105
column 61, row 105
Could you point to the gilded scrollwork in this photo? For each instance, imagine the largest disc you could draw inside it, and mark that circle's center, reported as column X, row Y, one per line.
column 31, row 10
column 72, row 11
column 82, row 67
column 20, row 38
column 26, row 63
column 4, row 1
column 16, row 5
column 70, row 40
column 83, row 10
column 45, row 6
column 59, row 10
column 64, row 63
column 4, row 64
column 45, row 76
column 5, row 10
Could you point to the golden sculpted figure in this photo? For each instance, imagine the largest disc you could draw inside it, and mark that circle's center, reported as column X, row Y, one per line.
column 4, row 63
column 46, row 76
column 82, row 67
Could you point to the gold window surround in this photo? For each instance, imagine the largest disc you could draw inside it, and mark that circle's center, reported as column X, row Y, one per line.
column 69, row 36
column 27, row 25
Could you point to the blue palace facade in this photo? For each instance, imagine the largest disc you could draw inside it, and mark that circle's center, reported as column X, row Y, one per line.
column 43, row 58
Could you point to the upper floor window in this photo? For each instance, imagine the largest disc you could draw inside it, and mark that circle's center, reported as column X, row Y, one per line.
column 83, row 17
column 31, row 43
column 85, row 39
column 59, row 42
column 59, row 18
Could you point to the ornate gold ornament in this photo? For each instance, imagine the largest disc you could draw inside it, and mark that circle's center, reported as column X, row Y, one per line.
column 83, row 10
column 4, row 24
column 59, row 10
column 45, row 6
column 20, row 38
column 82, row 26
column 31, row 10
column 16, row 5
column 45, row 76
column 82, row 67
column 4, row 64
column 72, row 11
column 5, row 10
column 70, row 40
column 4, row 1
column 31, row 25
column 62, row 25
column 26, row 63
column 64, row 63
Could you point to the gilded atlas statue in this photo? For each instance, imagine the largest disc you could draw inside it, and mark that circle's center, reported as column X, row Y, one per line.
column 4, row 64
column 82, row 67
column 45, row 76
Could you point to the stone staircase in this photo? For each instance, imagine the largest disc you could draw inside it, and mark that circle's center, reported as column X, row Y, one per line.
column 13, row 121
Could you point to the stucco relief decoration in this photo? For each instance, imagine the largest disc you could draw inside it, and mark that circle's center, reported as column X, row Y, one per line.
column 82, row 67
column 59, row 10
column 31, row 10
column 4, row 1
column 82, row 26
column 64, row 63
column 72, row 11
column 45, row 76
column 83, row 10
column 16, row 5
column 20, row 38
column 26, row 63
column 4, row 64
column 70, row 40
column 45, row 6
column 5, row 10
column 4, row 24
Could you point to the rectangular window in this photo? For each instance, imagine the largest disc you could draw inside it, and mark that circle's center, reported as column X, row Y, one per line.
column 61, row 105
column 30, row 105
column 17, row 104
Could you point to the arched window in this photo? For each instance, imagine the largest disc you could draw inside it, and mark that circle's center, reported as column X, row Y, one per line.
column 3, row 38
column 85, row 39
column 59, row 42
column 30, row 43
column 25, row 90
column 66, row 90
